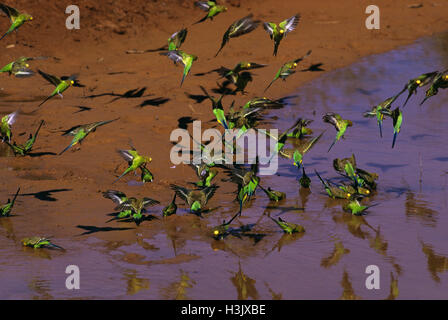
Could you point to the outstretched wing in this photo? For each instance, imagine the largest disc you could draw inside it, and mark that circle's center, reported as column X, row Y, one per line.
column 243, row 26
column 303, row 57
column 203, row 5
column 115, row 196
column 12, row 118
column 210, row 191
column 290, row 24
column 52, row 79
column 147, row 202
column 126, row 155
column 10, row 12
column 269, row 27
column 181, row 192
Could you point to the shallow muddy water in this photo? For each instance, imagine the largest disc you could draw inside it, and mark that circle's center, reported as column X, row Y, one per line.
column 176, row 258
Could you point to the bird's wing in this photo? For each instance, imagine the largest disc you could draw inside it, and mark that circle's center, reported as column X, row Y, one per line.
column 149, row 202
column 126, row 155
column 174, row 55
column 203, row 5
column 181, row 192
column 243, row 26
column 52, row 79
column 10, row 12
column 303, row 57
column 210, row 191
column 12, row 118
column 269, row 28
column 115, row 196
column 290, row 24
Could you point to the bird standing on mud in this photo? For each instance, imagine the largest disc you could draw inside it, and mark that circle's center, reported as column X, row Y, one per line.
column 19, row 68
column 5, row 210
column 24, row 149
column 196, row 199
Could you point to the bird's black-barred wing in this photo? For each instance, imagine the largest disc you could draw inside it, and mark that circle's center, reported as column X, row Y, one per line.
column 269, row 27
column 50, row 78
column 147, row 202
column 181, row 192
column 210, row 191
column 115, row 196
column 10, row 12
column 126, row 155
column 243, row 26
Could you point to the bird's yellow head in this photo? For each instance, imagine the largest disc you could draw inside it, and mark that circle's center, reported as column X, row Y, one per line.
column 30, row 18
column 348, row 195
column 216, row 233
column 248, row 65
column 282, row 31
column 418, row 82
column 72, row 82
column 445, row 77
column 27, row 65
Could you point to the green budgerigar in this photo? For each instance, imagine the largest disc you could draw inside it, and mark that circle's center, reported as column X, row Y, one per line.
column 178, row 56
column 287, row 69
column 39, row 242
column 24, row 149
column 17, row 18
column 239, row 28
column 6, row 124
column 80, row 132
column 18, row 68
column 273, row 195
column 134, row 159
column 221, row 231
column 333, row 191
column 170, row 209
column 61, row 84
column 196, row 199
column 380, row 110
column 278, row 32
column 340, row 124
column 288, row 227
column 6, row 209
column 212, row 8
column 218, row 109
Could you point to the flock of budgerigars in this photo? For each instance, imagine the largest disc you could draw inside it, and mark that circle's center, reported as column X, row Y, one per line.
column 359, row 183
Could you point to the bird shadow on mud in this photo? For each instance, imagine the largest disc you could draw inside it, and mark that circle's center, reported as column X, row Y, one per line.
column 41, row 154
column 198, row 98
column 155, row 102
column 82, row 109
column 45, row 195
column 93, row 229
column 316, row 67
column 183, row 122
column 130, row 94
